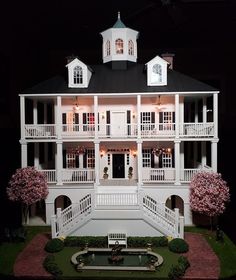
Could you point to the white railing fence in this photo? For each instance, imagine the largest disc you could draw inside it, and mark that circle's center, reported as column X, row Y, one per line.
column 167, row 221
column 116, row 199
column 40, row 130
column 78, row 175
column 72, row 217
column 197, row 129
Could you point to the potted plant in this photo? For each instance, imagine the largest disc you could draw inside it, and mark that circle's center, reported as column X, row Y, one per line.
column 105, row 170
column 130, row 172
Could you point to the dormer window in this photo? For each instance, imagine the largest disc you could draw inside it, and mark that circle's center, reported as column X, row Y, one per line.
column 108, row 48
column 119, row 46
column 78, row 75
column 131, row 47
column 157, row 73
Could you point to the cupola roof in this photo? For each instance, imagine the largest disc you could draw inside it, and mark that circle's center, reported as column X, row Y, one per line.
column 119, row 23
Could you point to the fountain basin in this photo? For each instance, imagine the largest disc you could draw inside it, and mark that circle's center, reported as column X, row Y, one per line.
column 129, row 259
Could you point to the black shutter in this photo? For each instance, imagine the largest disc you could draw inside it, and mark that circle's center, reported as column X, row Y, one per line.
column 160, row 161
column 128, row 116
column 161, row 120
column 76, row 118
column 84, row 122
column 173, row 120
column 108, row 117
column 108, row 122
column 152, row 160
column 173, row 157
column 64, row 158
column 77, row 161
column 64, row 121
column 152, row 117
column 85, row 160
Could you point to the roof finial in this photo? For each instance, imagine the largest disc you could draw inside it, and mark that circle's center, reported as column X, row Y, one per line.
column 119, row 15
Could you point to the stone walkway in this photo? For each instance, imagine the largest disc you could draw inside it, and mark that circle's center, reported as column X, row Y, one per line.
column 204, row 263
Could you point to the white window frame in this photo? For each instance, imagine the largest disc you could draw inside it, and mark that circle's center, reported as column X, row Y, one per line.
column 146, row 158
column 108, row 48
column 78, row 75
column 119, row 46
column 131, row 47
column 166, row 160
column 90, row 158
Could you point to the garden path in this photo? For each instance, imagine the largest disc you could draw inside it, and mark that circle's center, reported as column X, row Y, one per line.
column 204, row 262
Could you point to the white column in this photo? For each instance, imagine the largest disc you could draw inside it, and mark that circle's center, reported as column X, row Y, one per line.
column 177, row 162
column 35, row 112
column 59, row 162
column 139, row 115
column 204, row 159
column 177, row 116
column 214, row 155
column 181, row 159
column 140, row 162
column 24, row 154
column 95, row 101
column 22, row 116
column 36, row 155
column 49, row 211
column 215, row 114
column 196, row 111
column 58, row 118
column 204, row 110
column 97, row 162
column 181, row 115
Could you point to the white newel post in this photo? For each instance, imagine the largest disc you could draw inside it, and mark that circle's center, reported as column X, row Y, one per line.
column 22, row 116
column 181, row 227
column 59, row 221
column 176, row 221
column 58, row 118
column 53, row 226
column 49, row 205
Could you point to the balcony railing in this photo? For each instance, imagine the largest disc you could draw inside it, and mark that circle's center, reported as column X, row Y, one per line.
column 150, row 175
column 126, row 131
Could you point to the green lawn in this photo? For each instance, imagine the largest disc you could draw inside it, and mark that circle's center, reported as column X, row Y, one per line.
column 226, row 251
column 63, row 257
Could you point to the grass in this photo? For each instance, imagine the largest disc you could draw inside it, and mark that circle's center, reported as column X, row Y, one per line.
column 63, row 257
column 9, row 251
column 226, row 251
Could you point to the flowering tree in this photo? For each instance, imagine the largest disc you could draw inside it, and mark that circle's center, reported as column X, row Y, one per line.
column 27, row 186
column 208, row 194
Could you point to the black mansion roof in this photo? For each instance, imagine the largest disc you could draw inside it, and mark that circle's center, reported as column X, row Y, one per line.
column 131, row 80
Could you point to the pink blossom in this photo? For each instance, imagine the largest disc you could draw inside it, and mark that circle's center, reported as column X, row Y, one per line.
column 208, row 193
column 27, row 185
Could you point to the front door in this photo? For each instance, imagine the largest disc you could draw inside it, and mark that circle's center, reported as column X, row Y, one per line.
column 118, row 166
column 118, row 123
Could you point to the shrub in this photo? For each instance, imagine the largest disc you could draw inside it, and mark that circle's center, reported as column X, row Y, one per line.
column 54, row 245
column 51, row 267
column 137, row 242
column 178, row 245
column 80, row 241
column 182, row 260
column 176, row 271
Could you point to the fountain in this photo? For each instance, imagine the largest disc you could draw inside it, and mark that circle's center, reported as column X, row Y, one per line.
column 115, row 257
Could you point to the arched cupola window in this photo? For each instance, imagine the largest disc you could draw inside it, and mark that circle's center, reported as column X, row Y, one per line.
column 157, row 73
column 119, row 46
column 108, row 48
column 78, row 75
column 131, row 47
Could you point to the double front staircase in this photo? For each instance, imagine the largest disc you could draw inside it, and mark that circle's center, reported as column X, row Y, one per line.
column 166, row 221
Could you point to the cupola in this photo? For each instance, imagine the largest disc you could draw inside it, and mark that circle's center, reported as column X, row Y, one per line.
column 119, row 43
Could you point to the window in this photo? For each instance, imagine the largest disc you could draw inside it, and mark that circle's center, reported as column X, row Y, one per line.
column 88, row 122
column 90, row 158
column 78, row 75
column 167, row 120
column 70, row 160
column 147, row 118
column 131, row 47
column 146, row 157
column 70, row 121
column 119, row 46
column 108, row 48
column 166, row 160
column 156, row 73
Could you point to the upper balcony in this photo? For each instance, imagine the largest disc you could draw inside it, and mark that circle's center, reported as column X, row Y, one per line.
column 87, row 131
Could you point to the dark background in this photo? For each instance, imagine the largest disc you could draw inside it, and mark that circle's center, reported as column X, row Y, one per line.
column 36, row 37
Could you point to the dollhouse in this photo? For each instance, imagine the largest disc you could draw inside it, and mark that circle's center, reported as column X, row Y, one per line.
column 119, row 142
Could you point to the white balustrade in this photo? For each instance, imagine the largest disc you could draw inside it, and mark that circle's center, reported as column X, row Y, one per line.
column 197, row 129
column 70, row 218
column 78, row 175
column 116, row 199
column 78, row 130
column 50, row 175
column 40, row 131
